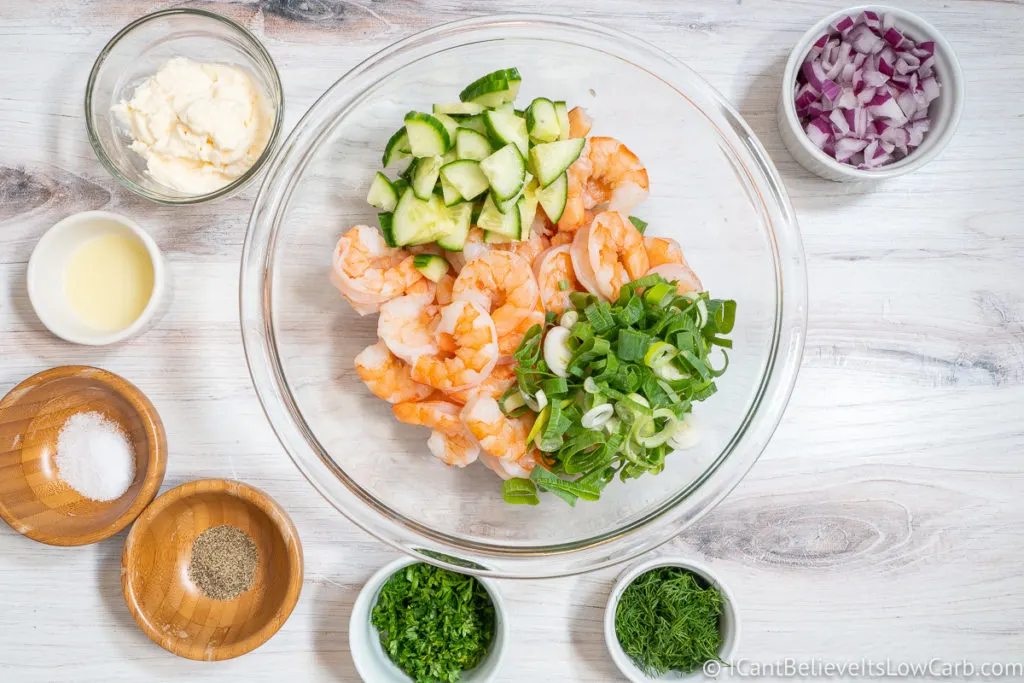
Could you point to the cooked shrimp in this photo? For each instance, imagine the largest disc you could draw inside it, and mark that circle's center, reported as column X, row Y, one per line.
column 579, row 122
column 661, row 250
column 576, row 210
column 526, row 249
column 407, row 325
column 561, row 238
column 453, row 449
column 367, row 271
column 556, row 278
column 443, row 294
column 387, row 376
column 581, row 267
column 680, row 273
column 501, row 436
column 507, row 469
column 502, row 284
column 496, row 384
column 617, row 253
column 618, row 178
column 510, row 341
column 450, row 441
column 467, row 349
column 442, row 416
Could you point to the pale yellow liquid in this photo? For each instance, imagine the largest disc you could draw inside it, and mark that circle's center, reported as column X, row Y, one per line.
column 108, row 281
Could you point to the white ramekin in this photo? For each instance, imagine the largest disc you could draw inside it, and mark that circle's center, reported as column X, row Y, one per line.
column 944, row 112
column 729, row 624
column 373, row 663
column 46, row 275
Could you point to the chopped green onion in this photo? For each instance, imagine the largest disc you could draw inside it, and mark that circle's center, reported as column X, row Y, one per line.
column 638, row 223
column 563, row 285
column 659, row 354
column 569, row 318
column 633, row 345
column 556, row 386
column 519, row 492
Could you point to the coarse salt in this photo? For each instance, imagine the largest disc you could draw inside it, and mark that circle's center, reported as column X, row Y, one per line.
column 94, row 457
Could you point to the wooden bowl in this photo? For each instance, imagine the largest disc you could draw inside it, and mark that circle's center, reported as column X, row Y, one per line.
column 33, row 498
column 171, row 610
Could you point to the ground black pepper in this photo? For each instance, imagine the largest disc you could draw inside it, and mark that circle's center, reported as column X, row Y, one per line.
column 223, row 562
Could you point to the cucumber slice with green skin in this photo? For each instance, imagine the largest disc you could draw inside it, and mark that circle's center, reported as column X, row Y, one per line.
column 396, row 148
column 474, row 123
column 493, row 89
column 407, row 172
column 466, row 177
column 505, row 171
column 460, row 222
column 562, row 114
column 418, row 221
column 505, row 127
column 400, row 185
column 459, row 109
column 551, row 159
column 470, row 144
column 510, row 204
column 382, row 193
column 554, row 197
column 432, row 266
column 495, row 238
column 387, row 228
column 493, row 220
column 449, row 194
column 541, row 120
column 527, row 207
column 428, row 137
column 424, row 177
column 450, row 125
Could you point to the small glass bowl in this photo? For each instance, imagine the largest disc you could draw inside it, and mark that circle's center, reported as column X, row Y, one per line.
column 137, row 52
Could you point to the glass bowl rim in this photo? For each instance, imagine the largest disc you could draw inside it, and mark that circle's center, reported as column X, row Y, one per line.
column 764, row 411
column 277, row 97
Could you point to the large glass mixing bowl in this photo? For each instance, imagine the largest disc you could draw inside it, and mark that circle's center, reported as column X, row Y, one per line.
column 713, row 189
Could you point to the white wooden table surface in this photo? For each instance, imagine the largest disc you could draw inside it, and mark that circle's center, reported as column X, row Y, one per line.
column 886, row 518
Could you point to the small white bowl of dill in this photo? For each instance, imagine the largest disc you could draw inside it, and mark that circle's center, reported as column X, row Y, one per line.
column 671, row 619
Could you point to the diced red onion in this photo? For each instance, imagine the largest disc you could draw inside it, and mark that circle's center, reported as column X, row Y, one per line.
column 864, row 90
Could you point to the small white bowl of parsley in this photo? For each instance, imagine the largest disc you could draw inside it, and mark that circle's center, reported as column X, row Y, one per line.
column 416, row 622
column 670, row 619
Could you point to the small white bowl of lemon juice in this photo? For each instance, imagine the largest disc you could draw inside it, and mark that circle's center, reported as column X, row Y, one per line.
column 95, row 278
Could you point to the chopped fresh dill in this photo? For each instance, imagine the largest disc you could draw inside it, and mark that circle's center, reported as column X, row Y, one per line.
column 668, row 620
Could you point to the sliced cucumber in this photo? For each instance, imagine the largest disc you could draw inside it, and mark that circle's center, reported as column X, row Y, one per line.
column 418, row 221
column 428, row 136
column 506, row 127
column 495, row 238
column 460, row 221
column 562, row 114
column 459, row 109
column 505, row 171
column 450, row 125
column 397, row 147
column 527, row 206
column 493, row 89
column 432, row 266
column 387, row 228
column 466, row 177
column 551, row 159
column 469, row 144
column 382, row 193
column 400, row 185
column 493, row 220
column 509, row 204
column 541, row 120
column 474, row 123
column 449, row 194
column 424, row 176
column 553, row 197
